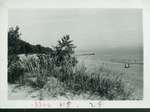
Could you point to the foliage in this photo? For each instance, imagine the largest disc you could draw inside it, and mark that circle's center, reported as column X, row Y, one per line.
column 13, row 37
column 14, row 69
column 39, row 67
column 18, row 46
column 103, row 82
column 12, row 59
column 61, row 64
column 63, row 52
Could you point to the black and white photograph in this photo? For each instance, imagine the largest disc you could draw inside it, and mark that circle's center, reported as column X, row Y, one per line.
column 75, row 54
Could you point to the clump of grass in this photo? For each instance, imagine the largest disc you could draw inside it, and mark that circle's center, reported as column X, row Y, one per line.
column 103, row 82
column 39, row 67
column 109, row 84
column 55, row 87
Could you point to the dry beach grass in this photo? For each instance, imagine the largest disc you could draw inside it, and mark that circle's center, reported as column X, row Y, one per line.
column 51, row 82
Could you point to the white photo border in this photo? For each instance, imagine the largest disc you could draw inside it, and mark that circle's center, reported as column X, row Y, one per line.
column 9, row 4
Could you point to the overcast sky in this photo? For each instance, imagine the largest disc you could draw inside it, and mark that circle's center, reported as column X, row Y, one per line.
column 91, row 29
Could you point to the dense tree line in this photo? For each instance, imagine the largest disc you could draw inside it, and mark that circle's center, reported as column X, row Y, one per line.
column 18, row 46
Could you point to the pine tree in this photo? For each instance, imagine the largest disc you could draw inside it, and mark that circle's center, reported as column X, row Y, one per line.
column 63, row 52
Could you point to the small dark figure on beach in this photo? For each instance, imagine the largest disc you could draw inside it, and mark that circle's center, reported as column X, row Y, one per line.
column 127, row 65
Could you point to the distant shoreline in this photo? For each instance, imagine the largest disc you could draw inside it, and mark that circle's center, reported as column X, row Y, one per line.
column 84, row 54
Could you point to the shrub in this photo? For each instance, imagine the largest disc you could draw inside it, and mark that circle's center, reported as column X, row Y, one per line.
column 14, row 69
column 12, row 59
column 40, row 67
column 63, row 51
